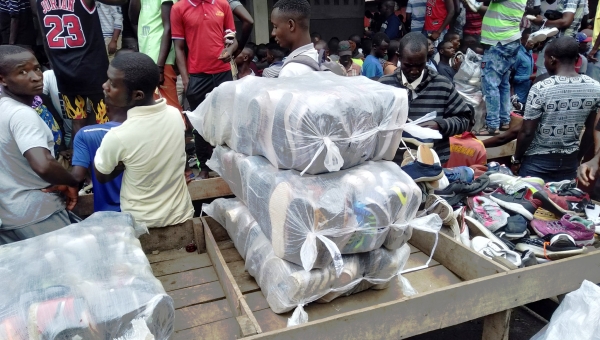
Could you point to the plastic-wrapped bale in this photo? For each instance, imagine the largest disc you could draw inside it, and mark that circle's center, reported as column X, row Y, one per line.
column 349, row 211
column 286, row 285
column 318, row 122
column 89, row 280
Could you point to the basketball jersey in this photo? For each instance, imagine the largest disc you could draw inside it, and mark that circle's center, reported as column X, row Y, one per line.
column 75, row 45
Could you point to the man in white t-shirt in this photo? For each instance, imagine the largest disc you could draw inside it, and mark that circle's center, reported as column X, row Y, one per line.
column 148, row 148
column 290, row 19
column 30, row 175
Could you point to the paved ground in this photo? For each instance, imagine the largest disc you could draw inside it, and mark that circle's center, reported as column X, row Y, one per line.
column 522, row 327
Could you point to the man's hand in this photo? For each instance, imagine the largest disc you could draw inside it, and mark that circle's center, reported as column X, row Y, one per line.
column 592, row 56
column 587, row 171
column 225, row 56
column 112, row 47
column 161, row 79
column 434, row 35
column 185, row 81
column 67, row 155
column 70, row 193
column 430, row 125
column 515, row 168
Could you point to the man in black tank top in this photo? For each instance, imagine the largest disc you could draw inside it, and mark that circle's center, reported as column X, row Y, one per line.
column 75, row 46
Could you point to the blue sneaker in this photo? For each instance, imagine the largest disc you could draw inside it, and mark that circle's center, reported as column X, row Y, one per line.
column 460, row 173
column 421, row 172
column 414, row 141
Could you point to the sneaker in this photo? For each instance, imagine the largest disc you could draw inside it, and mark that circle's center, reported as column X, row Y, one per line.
column 515, row 228
column 457, row 191
column 497, row 167
column 555, row 187
column 459, row 219
column 460, row 173
column 542, row 34
column 436, row 205
column 472, row 5
column 488, row 213
column 421, row 172
column 443, row 182
column 552, row 202
column 542, row 214
column 576, row 199
column 512, row 184
column 551, row 247
column 514, row 100
column 515, row 203
column 581, row 230
column 493, row 248
column 415, row 142
column 528, row 258
column 592, row 212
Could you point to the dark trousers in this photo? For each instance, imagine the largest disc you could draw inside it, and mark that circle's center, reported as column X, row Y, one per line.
column 550, row 168
column 26, row 33
column 198, row 87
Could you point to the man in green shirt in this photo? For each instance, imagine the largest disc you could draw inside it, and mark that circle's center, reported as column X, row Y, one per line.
column 151, row 20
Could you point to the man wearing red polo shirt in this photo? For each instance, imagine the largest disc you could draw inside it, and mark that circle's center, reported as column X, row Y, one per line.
column 203, row 24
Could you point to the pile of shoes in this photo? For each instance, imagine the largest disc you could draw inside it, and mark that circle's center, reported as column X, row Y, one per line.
column 308, row 231
column 522, row 219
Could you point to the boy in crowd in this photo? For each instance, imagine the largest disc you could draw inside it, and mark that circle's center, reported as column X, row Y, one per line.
column 30, row 173
column 446, row 54
column 523, row 68
column 154, row 188
column 352, row 69
column 275, row 56
column 372, row 67
column 111, row 21
column 431, row 63
column 242, row 61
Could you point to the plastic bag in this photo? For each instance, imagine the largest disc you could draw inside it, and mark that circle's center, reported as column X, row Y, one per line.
column 420, row 132
column 577, row 317
column 314, row 123
column 467, row 82
column 287, row 286
column 89, row 280
column 311, row 220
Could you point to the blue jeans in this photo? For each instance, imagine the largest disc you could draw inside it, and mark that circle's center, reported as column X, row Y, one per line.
column 522, row 90
column 495, row 73
column 550, row 168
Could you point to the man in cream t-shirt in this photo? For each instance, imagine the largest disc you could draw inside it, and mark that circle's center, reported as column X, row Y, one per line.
column 148, row 148
column 290, row 19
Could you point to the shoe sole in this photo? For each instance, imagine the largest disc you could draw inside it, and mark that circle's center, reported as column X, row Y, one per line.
column 429, row 179
column 511, row 237
column 537, row 38
column 552, row 255
column 475, row 225
column 514, row 207
column 416, row 142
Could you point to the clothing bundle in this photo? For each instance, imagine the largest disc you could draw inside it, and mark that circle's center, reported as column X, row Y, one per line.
column 86, row 281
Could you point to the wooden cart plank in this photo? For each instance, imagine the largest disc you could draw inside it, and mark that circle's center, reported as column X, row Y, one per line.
column 193, row 261
column 256, row 301
column 246, row 283
column 461, row 260
column 233, row 294
column 198, row 315
column 189, row 278
column 194, row 295
column 166, row 238
column 496, row 326
column 199, row 235
column 227, row 244
column 166, row 255
column 231, row 255
column 450, row 305
column 221, row 330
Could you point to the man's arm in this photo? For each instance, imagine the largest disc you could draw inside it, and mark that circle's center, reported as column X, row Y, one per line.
column 456, row 118
column 589, row 136
column 117, row 17
column 108, row 160
column 564, row 22
column 134, row 14
column 447, row 20
column 44, row 165
column 503, row 138
column 165, row 41
column 105, row 178
column 181, row 62
column 247, row 24
column 91, row 3
column 587, row 171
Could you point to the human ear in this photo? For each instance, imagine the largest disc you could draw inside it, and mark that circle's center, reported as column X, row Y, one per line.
column 292, row 25
column 138, row 95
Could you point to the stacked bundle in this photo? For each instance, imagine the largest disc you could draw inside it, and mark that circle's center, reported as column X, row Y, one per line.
column 89, row 280
column 302, row 224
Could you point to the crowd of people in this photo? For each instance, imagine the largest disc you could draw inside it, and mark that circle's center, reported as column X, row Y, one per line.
column 103, row 100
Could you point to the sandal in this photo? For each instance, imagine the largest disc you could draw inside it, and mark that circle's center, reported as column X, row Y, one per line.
column 488, row 132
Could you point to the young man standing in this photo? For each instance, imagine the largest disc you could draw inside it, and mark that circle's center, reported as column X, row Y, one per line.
column 154, row 189
column 30, row 172
column 392, row 25
column 428, row 91
column 207, row 64
column 291, row 19
column 352, row 69
column 152, row 21
column 111, row 21
column 372, row 67
column 523, row 68
column 446, row 54
column 242, row 61
column 557, row 110
column 73, row 36
column 415, row 14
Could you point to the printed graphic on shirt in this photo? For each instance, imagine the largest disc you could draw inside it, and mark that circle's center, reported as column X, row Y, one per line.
column 75, row 108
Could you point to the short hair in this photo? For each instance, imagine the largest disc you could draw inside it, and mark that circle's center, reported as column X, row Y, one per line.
column 250, row 51
column 357, row 39
column 449, row 36
column 565, row 49
column 315, row 35
column 526, row 31
column 379, row 38
column 299, row 10
column 334, row 46
column 390, row 3
column 140, row 72
column 6, row 51
column 414, row 41
column 393, row 48
column 261, row 51
column 124, row 51
column 367, row 46
column 277, row 51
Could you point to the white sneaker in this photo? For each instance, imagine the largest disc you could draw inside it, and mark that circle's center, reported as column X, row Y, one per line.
column 463, row 230
column 543, row 34
column 493, row 248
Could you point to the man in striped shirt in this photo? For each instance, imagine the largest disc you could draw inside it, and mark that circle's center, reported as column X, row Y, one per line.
column 500, row 36
column 111, row 21
column 428, row 91
column 415, row 14
column 16, row 23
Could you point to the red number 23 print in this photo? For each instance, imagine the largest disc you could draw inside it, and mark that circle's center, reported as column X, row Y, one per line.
column 70, row 23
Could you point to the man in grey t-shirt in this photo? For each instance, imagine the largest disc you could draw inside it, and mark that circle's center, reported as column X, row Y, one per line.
column 30, row 176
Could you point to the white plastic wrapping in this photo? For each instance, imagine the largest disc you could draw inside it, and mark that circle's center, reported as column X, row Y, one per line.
column 89, row 280
column 318, row 122
column 467, row 82
column 311, row 220
column 287, row 286
column 577, row 317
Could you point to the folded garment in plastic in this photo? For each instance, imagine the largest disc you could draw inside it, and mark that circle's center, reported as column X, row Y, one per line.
column 89, row 280
column 316, row 123
column 311, row 219
column 286, row 285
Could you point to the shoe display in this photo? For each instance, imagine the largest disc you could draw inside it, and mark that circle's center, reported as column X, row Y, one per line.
column 460, row 173
column 488, row 212
column 443, row 182
column 512, row 184
column 528, row 258
column 580, row 229
column 515, row 203
column 552, row 246
column 436, row 205
column 457, row 191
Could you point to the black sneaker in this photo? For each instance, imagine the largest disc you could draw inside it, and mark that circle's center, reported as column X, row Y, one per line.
column 515, row 228
column 515, row 203
column 551, row 246
column 463, row 189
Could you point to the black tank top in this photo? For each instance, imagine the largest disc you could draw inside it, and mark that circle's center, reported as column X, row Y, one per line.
column 75, row 45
